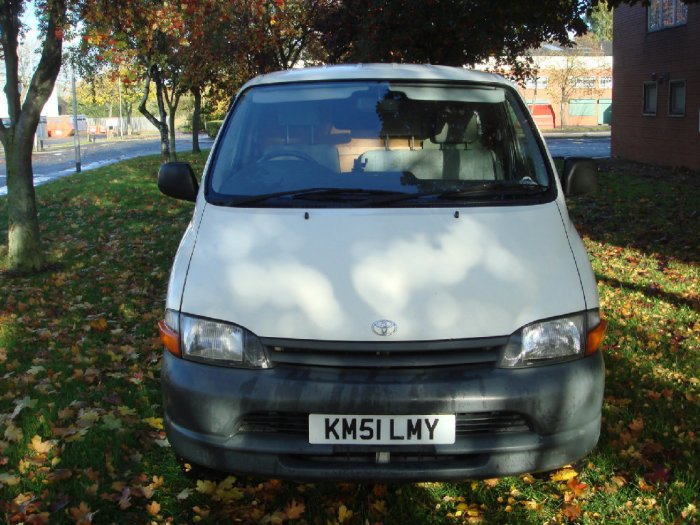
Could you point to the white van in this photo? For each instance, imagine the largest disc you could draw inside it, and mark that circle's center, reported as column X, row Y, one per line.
column 380, row 281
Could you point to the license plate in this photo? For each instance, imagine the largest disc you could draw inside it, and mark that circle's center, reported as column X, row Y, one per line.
column 381, row 429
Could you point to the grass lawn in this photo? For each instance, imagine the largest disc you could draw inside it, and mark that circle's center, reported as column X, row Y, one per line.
column 81, row 437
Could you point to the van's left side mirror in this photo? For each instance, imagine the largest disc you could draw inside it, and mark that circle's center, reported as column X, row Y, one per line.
column 177, row 180
column 579, row 176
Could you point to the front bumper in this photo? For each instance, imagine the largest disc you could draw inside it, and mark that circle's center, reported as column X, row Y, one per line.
column 205, row 407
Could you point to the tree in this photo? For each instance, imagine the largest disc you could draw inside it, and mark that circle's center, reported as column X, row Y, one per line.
column 449, row 32
column 601, row 22
column 24, row 241
column 570, row 76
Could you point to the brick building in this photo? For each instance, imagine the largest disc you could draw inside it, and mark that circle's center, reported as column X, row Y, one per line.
column 656, row 95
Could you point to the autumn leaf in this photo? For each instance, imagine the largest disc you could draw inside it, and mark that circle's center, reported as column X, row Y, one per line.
column 99, row 325
column 8, row 479
column 564, row 474
column 153, row 508
column 81, row 514
column 576, row 487
column 12, row 433
column 154, row 422
column 344, row 514
column 59, row 475
column 294, row 510
column 39, row 446
column 572, row 511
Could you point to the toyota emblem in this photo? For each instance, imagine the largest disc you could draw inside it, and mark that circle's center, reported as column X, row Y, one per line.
column 384, row 327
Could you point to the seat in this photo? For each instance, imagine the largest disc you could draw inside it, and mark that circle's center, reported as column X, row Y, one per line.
column 463, row 154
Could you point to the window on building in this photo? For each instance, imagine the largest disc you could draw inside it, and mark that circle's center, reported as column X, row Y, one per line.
column 605, row 82
column 582, row 107
column 676, row 98
column 650, row 89
column 666, row 13
column 584, row 83
column 536, row 83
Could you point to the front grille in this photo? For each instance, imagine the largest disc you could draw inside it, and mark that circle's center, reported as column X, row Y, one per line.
column 468, row 424
column 416, row 354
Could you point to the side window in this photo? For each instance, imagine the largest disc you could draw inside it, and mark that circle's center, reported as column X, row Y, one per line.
column 676, row 98
column 650, row 96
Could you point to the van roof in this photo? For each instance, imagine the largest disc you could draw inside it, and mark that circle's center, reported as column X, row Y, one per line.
column 376, row 72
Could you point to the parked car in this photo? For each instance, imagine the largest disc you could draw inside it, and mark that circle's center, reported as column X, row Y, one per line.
column 380, row 281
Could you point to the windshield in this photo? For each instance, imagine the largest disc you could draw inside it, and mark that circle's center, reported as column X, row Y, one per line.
column 377, row 143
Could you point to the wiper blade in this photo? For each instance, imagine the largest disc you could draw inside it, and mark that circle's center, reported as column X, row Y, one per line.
column 498, row 189
column 490, row 189
column 310, row 194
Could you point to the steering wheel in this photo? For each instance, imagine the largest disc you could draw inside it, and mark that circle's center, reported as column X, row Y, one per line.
column 280, row 154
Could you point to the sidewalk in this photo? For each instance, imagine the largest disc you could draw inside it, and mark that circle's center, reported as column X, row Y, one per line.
column 575, row 134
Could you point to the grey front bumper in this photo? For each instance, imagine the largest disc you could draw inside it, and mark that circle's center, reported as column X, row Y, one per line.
column 204, row 406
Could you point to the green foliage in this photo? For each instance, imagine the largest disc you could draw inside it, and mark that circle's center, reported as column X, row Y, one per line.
column 213, row 127
column 81, row 436
column 450, row 32
column 601, row 22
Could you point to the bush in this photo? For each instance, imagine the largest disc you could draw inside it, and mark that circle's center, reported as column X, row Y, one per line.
column 213, row 127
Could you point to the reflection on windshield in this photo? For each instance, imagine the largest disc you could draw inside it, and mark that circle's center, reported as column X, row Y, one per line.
column 381, row 138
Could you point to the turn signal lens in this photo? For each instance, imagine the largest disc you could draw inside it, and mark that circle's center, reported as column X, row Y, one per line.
column 595, row 337
column 169, row 332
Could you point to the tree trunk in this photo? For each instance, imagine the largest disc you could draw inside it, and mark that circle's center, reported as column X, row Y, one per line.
column 162, row 124
column 197, row 93
column 172, row 108
column 24, row 241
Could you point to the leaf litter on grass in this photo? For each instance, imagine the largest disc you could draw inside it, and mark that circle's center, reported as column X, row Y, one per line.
column 81, row 435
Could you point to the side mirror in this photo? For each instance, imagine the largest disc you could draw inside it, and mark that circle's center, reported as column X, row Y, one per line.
column 579, row 176
column 177, row 180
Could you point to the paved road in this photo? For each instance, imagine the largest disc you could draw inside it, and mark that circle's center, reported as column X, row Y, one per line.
column 52, row 164
column 594, row 147
column 49, row 165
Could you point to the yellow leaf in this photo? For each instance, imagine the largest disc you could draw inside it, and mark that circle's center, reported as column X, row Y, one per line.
column 154, row 422
column 8, row 479
column 344, row 514
column 206, row 487
column 564, row 474
column 39, row 446
column 12, row 433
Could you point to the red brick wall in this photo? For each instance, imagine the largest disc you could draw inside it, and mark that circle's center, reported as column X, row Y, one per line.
column 638, row 55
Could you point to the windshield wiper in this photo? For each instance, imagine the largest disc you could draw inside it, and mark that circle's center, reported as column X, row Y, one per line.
column 495, row 189
column 489, row 189
column 312, row 194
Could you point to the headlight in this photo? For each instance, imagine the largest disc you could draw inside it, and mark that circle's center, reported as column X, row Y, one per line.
column 217, row 342
column 553, row 341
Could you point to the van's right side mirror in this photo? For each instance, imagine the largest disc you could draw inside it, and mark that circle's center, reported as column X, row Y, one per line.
column 579, row 176
column 177, row 180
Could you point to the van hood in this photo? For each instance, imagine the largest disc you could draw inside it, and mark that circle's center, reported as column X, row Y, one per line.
column 330, row 276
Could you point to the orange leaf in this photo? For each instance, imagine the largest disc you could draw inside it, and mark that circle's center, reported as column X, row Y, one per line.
column 572, row 512
column 153, row 508
column 294, row 510
column 576, row 486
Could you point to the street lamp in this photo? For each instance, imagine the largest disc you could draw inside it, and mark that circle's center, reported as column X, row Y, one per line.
column 76, row 135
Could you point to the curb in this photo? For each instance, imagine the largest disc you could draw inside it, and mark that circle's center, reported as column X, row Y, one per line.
column 576, row 135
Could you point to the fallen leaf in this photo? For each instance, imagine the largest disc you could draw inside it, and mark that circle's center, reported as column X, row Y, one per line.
column 572, row 512
column 564, row 474
column 294, row 510
column 8, row 479
column 344, row 514
column 39, row 446
column 61, row 474
column 154, row 422
column 153, row 508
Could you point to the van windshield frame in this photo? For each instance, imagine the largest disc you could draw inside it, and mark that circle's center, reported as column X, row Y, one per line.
column 372, row 143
